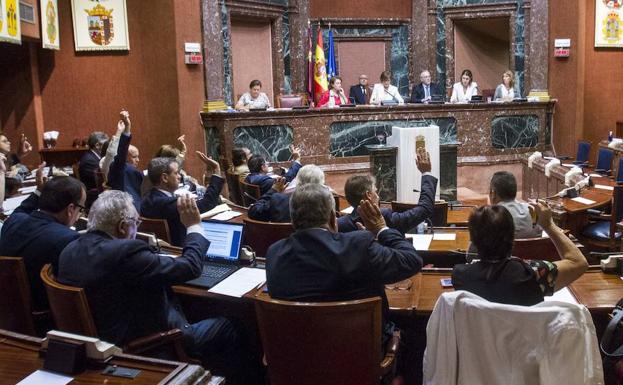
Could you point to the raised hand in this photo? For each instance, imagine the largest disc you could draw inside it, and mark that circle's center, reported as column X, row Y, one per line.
column 371, row 216
column 188, row 211
column 423, row 160
column 2, row 163
column 39, row 177
column 24, row 146
column 543, row 215
column 296, row 152
column 211, row 164
column 125, row 118
column 280, row 184
column 182, row 141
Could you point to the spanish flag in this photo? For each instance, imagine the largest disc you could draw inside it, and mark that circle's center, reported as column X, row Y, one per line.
column 320, row 71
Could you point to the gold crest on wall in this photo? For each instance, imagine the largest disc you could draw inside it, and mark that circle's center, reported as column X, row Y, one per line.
column 100, row 25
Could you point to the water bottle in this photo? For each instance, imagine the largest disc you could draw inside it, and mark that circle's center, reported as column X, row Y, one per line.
column 610, row 137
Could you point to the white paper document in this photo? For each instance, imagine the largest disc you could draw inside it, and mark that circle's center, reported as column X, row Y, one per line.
column 241, row 282
column 11, row 204
column 563, row 295
column 568, row 165
column 347, row 210
column 444, row 236
column 41, row 377
column 227, row 215
column 584, row 201
column 27, row 190
column 604, row 187
column 420, row 241
column 596, row 175
column 217, row 210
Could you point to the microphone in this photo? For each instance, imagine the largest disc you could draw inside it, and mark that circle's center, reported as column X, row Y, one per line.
column 390, row 94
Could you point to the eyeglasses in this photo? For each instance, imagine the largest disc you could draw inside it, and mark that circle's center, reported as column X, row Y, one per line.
column 137, row 222
column 81, row 208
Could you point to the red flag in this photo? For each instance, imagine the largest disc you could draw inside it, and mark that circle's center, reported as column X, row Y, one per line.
column 320, row 70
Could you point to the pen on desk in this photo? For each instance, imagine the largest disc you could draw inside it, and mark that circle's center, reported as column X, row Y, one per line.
column 416, row 190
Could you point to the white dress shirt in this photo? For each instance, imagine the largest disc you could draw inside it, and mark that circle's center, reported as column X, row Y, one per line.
column 463, row 96
column 379, row 94
column 470, row 340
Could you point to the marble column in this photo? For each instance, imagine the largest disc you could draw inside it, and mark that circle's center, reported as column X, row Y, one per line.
column 383, row 167
column 213, row 49
column 420, row 45
column 299, row 15
column 539, row 44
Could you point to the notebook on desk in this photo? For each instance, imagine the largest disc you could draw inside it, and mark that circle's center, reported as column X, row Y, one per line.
column 223, row 256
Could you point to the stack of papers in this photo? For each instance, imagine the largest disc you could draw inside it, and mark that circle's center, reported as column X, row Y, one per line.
column 584, row 201
column 444, row 236
column 217, row 210
column 42, row 377
column 420, row 241
column 604, row 187
column 241, row 282
column 227, row 215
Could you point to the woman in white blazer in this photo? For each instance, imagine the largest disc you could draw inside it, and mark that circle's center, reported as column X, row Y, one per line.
column 463, row 91
column 384, row 91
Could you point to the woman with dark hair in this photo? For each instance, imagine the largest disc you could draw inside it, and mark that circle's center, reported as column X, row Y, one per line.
column 463, row 91
column 499, row 277
column 384, row 91
column 239, row 158
column 334, row 96
column 254, row 98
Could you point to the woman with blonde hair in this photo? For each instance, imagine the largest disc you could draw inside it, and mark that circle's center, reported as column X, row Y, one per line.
column 506, row 90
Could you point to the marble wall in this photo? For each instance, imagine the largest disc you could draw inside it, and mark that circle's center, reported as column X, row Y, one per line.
column 518, row 51
column 383, row 167
column 272, row 142
column 213, row 143
column 517, row 131
column 399, row 57
column 351, row 138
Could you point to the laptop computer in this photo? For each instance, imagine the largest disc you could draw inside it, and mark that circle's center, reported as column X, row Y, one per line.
column 223, row 256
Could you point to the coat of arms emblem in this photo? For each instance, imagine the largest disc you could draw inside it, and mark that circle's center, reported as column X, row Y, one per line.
column 101, row 27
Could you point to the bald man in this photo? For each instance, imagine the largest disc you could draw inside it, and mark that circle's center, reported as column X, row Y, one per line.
column 124, row 174
column 360, row 93
column 423, row 92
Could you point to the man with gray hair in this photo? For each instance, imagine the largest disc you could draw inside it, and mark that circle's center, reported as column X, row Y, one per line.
column 317, row 263
column 128, row 285
column 274, row 206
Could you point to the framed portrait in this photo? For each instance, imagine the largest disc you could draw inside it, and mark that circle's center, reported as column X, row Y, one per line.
column 100, row 25
column 49, row 24
column 608, row 23
column 10, row 28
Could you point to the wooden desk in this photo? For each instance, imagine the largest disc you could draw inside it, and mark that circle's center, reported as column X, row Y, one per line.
column 599, row 292
column 430, row 290
column 459, row 216
column 62, row 156
column 19, row 357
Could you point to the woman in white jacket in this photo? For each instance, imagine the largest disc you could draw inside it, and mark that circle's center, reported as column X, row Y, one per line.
column 463, row 91
column 384, row 91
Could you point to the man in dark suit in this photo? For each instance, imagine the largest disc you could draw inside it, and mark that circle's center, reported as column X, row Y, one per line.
column 90, row 163
column 259, row 171
column 161, row 203
column 274, row 206
column 423, row 92
column 317, row 263
column 38, row 230
column 360, row 93
column 123, row 174
column 128, row 285
column 360, row 187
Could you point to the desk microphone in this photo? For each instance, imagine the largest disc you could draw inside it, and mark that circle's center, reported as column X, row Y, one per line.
column 390, row 94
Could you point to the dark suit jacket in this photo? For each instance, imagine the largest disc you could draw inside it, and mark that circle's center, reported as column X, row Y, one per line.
column 266, row 182
column 158, row 205
column 123, row 176
column 271, row 207
column 404, row 221
column 318, row 265
column 355, row 93
column 417, row 93
column 89, row 163
column 127, row 285
column 39, row 239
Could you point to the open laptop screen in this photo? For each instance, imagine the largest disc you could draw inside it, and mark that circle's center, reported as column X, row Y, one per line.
column 225, row 239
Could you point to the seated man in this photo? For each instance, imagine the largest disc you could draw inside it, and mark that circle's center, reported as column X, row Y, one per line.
column 317, row 263
column 128, row 286
column 503, row 191
column 160, row 202
column 123, row 174
column 360, row 187
column 274, row 206
column 259, row 170
column 38, row 230
column 90, row 163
